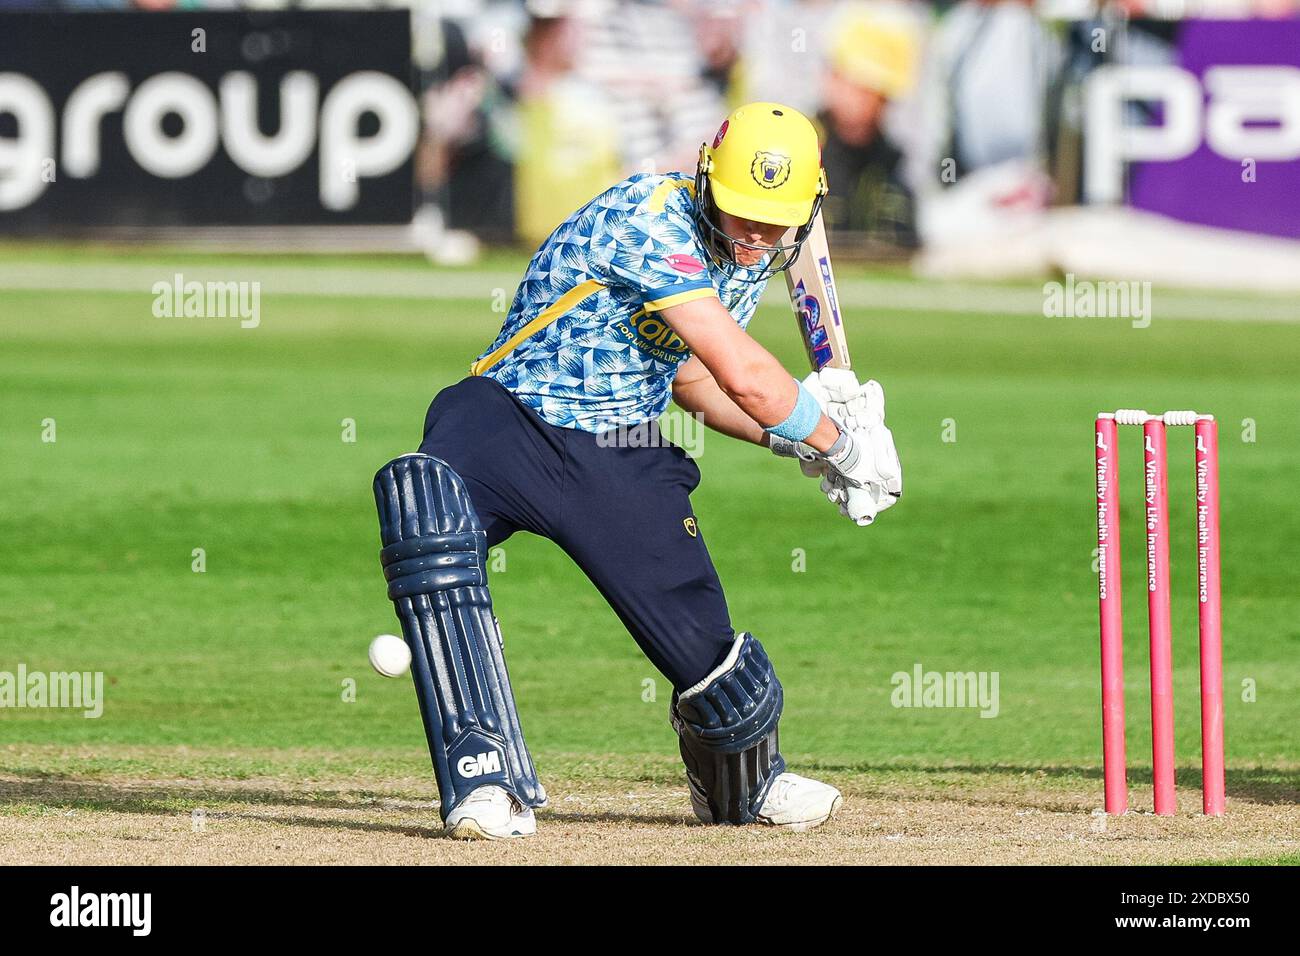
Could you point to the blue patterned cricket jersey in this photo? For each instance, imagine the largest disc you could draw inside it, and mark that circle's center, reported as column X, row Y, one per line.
column 584, row 345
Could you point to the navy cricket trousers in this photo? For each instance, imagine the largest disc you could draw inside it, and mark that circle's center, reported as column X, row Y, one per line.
column 622, row 514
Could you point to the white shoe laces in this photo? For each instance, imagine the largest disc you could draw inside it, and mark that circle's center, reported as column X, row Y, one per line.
column 781, row 789
column 481, row 795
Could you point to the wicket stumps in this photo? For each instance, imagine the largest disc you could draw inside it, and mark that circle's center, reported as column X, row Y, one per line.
column 1109, row 588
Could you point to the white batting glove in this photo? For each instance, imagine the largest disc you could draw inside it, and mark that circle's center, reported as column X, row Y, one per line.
column 810, row 462
column 863, row 475
column 859, row 505
column 865, row 409
column 859, row 409
column 832, row 386
column 864, row 456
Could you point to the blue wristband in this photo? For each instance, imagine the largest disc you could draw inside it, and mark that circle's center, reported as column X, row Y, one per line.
column 802, row 420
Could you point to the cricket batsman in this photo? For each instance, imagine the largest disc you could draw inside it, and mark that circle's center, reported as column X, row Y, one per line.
column 641, row 296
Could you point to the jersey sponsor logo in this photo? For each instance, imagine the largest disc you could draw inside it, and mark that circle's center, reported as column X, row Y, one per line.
column 770, row 170
column 692, row 528
column 653, row 336
column 685, row 264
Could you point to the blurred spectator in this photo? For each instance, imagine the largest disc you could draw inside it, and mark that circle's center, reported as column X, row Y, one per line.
column 785, row 43
column 990, row 65
column 611, row 87
column 644, row 54
column 977, row 162
column 718, row 38
column 465, row 159
column 873, row 60
column 1132, row 42
column 568, row 137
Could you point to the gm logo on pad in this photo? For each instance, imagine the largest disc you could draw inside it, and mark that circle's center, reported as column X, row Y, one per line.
column 479, row 765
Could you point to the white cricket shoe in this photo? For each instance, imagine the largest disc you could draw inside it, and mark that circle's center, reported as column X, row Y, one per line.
column 490, row 813
column 794, row 802
column 799, row 803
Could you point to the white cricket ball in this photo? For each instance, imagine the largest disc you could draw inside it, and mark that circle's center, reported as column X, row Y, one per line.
column 389, row 655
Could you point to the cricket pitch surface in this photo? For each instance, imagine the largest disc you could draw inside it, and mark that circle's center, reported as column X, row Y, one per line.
column 144, row 805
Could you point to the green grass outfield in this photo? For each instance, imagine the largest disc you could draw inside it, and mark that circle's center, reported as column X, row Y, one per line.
column 177, row 434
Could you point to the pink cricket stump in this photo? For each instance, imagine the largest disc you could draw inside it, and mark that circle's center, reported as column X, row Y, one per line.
column 1210, row 612
column 1109, row 578
column 1162, row 676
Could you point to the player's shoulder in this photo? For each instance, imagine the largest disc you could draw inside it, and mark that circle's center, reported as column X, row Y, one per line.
column 644, row 214
column 670, row 195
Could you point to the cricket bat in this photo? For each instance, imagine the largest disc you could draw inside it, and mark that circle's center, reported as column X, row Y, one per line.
column 816, row 304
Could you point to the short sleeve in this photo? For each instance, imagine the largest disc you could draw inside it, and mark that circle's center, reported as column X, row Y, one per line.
column 657, row 253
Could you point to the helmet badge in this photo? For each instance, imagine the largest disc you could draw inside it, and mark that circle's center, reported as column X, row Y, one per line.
column 770, row 170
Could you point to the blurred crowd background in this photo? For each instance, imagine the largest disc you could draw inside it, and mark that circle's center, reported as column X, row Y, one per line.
column 531, row 103
column 530, row 107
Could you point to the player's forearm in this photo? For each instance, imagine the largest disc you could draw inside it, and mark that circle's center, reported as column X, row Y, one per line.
column 767, row 394
column 824, row 435
column 747, row 373
column 717, row 411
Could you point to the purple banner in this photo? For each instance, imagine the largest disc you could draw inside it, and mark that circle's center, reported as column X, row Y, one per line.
column 1242, row 171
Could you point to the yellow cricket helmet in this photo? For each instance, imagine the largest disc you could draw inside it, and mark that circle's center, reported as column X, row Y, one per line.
column 764, row 165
